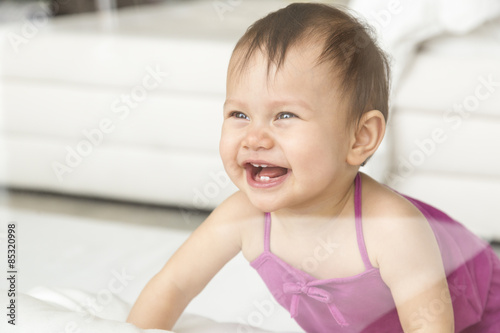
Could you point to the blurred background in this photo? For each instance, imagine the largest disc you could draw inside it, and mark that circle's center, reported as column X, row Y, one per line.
column 57, row 8
column 117, row 103
column 111, row 111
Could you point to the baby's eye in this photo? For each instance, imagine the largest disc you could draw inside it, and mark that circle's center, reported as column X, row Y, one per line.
column 285, row 115
column 237, row 114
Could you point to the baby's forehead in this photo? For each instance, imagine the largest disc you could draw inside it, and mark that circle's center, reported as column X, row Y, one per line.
column 299, row 77
column 301, row 60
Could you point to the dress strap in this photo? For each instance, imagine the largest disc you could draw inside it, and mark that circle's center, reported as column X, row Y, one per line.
column 267, row 232
column 359, row 225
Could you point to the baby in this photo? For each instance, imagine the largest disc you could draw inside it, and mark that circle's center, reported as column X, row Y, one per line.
column 307, row 104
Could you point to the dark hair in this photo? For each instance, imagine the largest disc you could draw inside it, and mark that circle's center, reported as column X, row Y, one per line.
column 348, row 45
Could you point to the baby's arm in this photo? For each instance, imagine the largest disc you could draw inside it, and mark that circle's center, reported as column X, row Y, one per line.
column 411, row 265
column 205, row 252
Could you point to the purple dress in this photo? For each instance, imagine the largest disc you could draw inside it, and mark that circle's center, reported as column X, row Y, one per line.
column 363, row 302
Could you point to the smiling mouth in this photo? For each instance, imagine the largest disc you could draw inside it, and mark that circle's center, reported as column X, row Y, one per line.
column 264, row 175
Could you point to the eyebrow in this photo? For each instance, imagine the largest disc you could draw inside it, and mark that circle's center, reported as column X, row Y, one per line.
column 233, row 101
column 274, row 103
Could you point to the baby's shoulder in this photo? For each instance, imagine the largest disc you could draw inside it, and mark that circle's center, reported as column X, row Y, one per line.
column 238, row 205
column 390, row 221
column 382, row 203
column 246, row 223
column 230, row 220
column 237, row 211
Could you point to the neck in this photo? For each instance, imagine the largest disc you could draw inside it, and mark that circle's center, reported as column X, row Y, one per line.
column 324, row 212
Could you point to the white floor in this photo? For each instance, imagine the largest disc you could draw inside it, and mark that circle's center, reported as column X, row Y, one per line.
column 55, row 231
column 84, row 244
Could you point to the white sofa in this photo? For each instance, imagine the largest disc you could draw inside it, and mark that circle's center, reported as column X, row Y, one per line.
column 446, row 128
column 159, row 135
column 84, row 85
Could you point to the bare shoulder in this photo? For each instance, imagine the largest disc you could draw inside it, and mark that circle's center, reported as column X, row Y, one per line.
column 379, row 201
column 235, row 207
column 391, row 222
column 235, row 217
column 235, row 210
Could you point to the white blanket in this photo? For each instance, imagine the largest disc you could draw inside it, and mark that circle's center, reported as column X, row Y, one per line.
column 55, row 310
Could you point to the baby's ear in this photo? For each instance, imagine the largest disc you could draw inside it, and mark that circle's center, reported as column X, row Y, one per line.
column 366, row 137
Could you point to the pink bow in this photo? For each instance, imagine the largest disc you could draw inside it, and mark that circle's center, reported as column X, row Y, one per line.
column 316, row 293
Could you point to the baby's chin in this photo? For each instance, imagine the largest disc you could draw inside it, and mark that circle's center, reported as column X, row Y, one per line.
column 264, row 203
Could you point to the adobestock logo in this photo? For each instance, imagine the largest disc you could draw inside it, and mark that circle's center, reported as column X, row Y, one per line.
column 421, row 318
column 94, row 137
column 94, row 305
column 378, row 20
column 383, row 17
column 203, row 195
column 425, row 148
column 222, row 7
column 262, row 310
column 211, row 190
column 30, row 27
column 90, row 307
column 321, row 252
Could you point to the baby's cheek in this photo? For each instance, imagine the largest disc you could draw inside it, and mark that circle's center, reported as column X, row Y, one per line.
column 224, row 148
column 227, row 162
column 229, row 159
column 317, row 161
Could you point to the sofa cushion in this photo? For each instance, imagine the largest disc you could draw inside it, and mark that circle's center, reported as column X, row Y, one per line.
column 455, row 74
column 191, row 40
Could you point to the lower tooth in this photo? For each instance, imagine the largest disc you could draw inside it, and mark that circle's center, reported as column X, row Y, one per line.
column 264, row 178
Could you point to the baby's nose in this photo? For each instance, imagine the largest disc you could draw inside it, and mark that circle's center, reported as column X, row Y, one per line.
column 258, row 137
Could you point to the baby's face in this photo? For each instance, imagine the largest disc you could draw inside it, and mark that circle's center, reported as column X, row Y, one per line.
column 284, row 139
